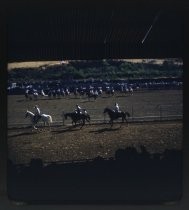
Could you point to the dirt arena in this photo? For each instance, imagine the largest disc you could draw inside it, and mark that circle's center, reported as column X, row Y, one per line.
column 67, row 143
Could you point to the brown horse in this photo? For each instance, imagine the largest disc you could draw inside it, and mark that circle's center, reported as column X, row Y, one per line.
column 115, row 115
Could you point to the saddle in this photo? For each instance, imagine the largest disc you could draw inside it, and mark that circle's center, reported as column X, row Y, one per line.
column 78, row 113
column 37, row 118
column 118, row 112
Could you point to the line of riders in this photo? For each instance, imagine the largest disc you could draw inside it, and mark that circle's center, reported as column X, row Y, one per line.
column 78, row 111
column 91, row 92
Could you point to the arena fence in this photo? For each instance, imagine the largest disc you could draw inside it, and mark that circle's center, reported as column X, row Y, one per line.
column 145, row 114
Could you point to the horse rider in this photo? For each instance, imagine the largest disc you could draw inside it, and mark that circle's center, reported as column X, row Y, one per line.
column 37, row 113
column 116, row 107
column 78, row 109
column 96, row 92
column 27, row 91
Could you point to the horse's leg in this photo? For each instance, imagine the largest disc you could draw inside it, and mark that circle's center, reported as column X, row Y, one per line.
column 124, row 118
column 35, row 128
column 44, row 123
column 89, row 121
column 82, row 124
column 122, row 121
column 126, row 121
column 111, row 123
column 49, row 125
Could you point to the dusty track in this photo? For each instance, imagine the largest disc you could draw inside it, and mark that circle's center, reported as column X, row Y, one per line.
column 65, row 143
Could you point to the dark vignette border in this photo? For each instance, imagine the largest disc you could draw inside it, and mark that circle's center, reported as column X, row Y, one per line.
column 3, row 102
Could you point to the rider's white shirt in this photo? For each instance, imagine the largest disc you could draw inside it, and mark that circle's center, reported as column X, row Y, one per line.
column 37, row 111
column 117, row 108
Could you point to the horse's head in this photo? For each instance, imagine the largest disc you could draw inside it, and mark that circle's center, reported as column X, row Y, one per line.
column 26, row 114
column 105, row 110
column 65, row 116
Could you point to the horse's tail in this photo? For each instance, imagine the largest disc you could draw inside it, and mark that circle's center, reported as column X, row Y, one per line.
column 50, row 119
column 88, row 117
column 127, row 114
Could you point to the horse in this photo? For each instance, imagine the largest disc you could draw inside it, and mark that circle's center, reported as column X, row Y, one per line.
column 76, row 92
column 67, row 92
column 92, row 95
column 78, row 117
column 124, row 90
column 47, row 119
column 43, row 93
column 58, row 93
column 50, row 94
column 99, row 90
column 28, row 95
column 115, row 115
column 131, row 90
column 35, row 95
column 109, row 91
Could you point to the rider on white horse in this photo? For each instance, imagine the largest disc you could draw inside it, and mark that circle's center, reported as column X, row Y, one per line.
column 37, row 113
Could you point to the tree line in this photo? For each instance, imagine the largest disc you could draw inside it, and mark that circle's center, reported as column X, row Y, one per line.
column 101, row 69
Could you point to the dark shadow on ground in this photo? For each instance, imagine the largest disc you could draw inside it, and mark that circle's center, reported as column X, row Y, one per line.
column 86, row 101
column 129, row 177
column 68, row 129
column 120, row 96
column 19, row 128
column 75, row 98
column 107, row 96
column 23, row 134
column 20, row 100
column 104, row 130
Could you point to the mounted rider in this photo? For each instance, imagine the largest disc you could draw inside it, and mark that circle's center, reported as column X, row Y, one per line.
column 79, row 110
column 27, row 91
column 37, row 114
column 116, row 109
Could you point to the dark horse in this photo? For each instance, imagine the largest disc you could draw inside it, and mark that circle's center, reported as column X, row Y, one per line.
column 115, row 115
column 91, row 95
column 78, row 117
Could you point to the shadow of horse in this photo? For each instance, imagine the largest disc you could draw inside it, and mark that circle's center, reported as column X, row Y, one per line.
column 22, row 134
column 22, row 100
column 121, row 96
column 86, row 101
column 68, row 129
column 102, row 130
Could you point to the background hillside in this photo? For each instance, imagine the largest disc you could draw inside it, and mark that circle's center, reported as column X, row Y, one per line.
column 101, row 69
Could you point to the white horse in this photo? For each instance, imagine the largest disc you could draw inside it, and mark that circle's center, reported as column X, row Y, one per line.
column 47, row 119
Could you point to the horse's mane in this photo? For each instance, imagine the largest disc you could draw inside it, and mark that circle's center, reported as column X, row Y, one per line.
column 107, row 108
column 30, row 112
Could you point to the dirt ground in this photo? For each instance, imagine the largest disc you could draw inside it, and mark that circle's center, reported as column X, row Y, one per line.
column 66, row 143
